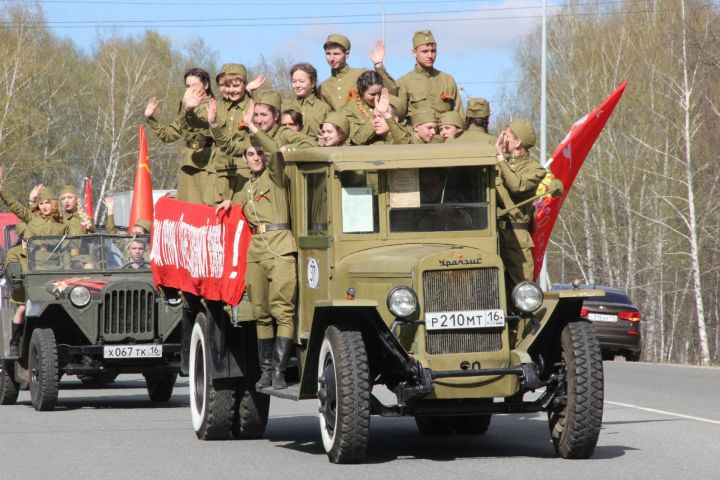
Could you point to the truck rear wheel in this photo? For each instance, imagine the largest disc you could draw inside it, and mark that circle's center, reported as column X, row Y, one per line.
column 575, row 418
column 344, row 394
column 9, row 388
column 211, row 410
column 43, row 365
column 160, row 386
column 252, row 411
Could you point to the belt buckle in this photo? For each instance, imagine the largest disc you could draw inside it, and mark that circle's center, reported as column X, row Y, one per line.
column 261, row 228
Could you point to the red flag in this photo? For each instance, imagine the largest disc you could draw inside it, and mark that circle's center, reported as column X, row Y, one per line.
column 88, row 196
column 565, row 164
column 142, row 201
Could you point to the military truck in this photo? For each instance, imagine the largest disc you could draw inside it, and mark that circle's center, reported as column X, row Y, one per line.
column 401, row 285
column 92, row 311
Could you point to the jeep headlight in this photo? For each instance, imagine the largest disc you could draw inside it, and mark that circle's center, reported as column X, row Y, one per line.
column 80, row 296
column 402, row 302
column 527, row 297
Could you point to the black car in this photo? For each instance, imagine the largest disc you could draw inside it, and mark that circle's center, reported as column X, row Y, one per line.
column 616, row 321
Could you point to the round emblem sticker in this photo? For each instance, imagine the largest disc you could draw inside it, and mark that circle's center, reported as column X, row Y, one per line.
column 313, row 272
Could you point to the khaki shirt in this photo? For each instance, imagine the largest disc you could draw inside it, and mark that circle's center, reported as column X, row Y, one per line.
column 19, row 255
column 399, row 134
column 280, row 136
column 74, row 222
column 475, row 134
column 429, row 89
column 195, row 155
column 313, row 109
column 362, row 128
column 518, row 180
column 37, row 225
column 342, row 85
column 264, row 200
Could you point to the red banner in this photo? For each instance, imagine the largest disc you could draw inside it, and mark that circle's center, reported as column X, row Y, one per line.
column 564, row 165
column 197, row 252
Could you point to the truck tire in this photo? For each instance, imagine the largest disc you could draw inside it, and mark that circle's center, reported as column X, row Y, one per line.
column 435, row 425
column 43, row 366
column 9, row 388
column 160, row 385
column 575, row 421
column 473, row 425
column 211, row 410
column 344, row 394
column 251, row 415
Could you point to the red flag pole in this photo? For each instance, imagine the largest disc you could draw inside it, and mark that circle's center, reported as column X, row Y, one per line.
column 142, row 200
column 565, row 165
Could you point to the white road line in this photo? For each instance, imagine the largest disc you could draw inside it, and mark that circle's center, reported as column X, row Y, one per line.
column 664, row 412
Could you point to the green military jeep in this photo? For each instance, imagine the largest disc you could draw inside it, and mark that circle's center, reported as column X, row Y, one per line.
column 91, row 311
column 401, row 285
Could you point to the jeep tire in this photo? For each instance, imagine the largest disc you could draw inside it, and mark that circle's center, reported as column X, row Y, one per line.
column 251, row 412
column 344, row 394
column 575, row 421
column 160, row 385
column 212, row 410
column 43, row 366
column 9, row 388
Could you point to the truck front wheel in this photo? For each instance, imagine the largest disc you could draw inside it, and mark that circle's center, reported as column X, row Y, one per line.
column 575, row 416
column 344, row 394
column 211, row 410
column 43, row 365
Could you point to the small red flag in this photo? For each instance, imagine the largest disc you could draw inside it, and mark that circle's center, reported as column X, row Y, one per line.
column 565, row 165
column 88, row 196
column 142, row 200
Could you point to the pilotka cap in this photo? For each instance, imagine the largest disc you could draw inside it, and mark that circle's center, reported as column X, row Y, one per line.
column 423, row 37
column 451, row 118
column 339, row 39
column 340, row 121
column 478, row 108
column 524, row 131
column 422, row 116
column 234, row 69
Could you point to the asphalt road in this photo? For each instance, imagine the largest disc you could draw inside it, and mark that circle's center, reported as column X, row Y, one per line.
column 660, row 421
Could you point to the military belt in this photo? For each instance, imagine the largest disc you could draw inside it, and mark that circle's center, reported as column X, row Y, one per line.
column 318, row 226
column 270, row 227
column 198, row 144
column 507, row 225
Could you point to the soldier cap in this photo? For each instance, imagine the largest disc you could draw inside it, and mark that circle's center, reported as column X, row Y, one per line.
column 68, row 189
column 423, row 37
column 234, row 69
column 524, row 131
column 451, row 118
column 46, row 194
column 339, row 39
column 340, row 121
column 478, row 108
column 144, row 224
column 422, row 116
column 269, row 97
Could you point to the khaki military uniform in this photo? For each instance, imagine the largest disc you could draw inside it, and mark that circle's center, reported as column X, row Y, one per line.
column 37, row 225
column 225, row 162
column 474, row 134
column 195, row 155
column 313, row 109
column 399, row 134
column 341, row 87
column 74, row 222
column 362, row 128
column 271, row 275
column 19, row 255
column 280, row 136
column 518, row 180
column 429, row 89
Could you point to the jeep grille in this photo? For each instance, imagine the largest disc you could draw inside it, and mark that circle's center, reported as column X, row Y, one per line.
column 466, row 289
column 128, row 311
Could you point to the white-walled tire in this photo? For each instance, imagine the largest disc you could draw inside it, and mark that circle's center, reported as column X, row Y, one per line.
column 344, row 395
column 211, row 410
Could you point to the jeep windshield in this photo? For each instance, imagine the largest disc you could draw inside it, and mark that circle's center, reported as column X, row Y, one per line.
column 89, row 252
column 447, row 199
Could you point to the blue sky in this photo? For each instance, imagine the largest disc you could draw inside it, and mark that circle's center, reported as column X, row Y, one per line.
column 475, row 38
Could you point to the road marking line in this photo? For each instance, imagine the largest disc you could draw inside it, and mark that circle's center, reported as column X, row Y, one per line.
column 664, row 412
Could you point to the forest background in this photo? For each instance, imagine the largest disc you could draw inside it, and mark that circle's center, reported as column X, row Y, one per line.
column 643, row 214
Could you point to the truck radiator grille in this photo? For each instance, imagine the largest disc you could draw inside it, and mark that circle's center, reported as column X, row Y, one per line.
column 128, row 311
column 467, row 289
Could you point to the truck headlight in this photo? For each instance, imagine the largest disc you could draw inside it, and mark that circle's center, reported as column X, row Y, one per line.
column 527, row 297
column 402, row 302
column 80, row 296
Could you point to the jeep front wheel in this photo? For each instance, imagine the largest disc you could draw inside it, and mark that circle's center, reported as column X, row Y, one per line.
column 344, row 395
column 43, row 366
column 211, row 410
column 575, row 416
column 160, row 386
column 9, row 388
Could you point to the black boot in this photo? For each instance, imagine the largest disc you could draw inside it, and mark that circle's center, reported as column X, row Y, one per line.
column 281, row 355
column 17, row 329
column 265, row 351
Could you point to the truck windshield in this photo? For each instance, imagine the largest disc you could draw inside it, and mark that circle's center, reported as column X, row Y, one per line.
column 89, row 252
column 438, row 199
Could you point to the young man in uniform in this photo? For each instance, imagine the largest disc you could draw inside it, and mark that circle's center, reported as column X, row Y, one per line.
column 337, row 90
column 477, row 118
column 425, row 87
column 518, row 179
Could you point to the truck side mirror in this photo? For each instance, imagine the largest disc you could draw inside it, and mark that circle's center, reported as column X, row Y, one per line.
column 14, row 274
